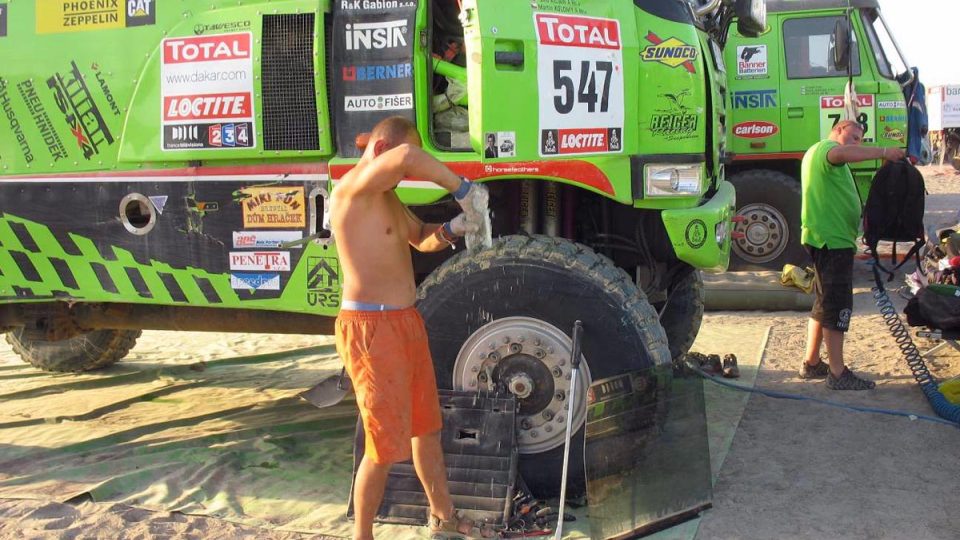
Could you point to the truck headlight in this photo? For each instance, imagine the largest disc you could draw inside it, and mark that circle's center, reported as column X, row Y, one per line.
column 671, row 180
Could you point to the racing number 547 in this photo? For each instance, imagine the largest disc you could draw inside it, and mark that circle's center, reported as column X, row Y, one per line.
column 584, row 92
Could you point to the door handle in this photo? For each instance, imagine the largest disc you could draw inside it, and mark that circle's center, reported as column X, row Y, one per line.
column 795, row 112
column 508, row 58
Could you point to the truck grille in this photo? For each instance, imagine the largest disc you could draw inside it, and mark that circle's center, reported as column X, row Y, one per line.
column 289, row 95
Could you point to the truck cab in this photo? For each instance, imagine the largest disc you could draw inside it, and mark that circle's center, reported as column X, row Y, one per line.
column 786, row 93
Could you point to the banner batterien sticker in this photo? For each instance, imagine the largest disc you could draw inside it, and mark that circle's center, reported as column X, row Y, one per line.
column 580, row 81
column 206, row 92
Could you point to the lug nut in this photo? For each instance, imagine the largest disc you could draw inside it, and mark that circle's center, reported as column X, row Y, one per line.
column 539, row 353
column 495, row 356
column 560, row 396
column 556, row 372
column 548, row 428
column 515, row 348
column 475, row 369
column 534, row 434
column 506, row 339
column 525, row 424
column 548, row 415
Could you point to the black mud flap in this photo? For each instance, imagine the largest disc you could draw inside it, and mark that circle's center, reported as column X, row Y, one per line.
column 646, row 452
column 480, row 452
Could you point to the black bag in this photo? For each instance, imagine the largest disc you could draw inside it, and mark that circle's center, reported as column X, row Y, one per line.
column 938, row 311
column 894, row 211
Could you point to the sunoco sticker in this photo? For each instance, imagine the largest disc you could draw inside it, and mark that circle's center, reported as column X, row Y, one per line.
column 580, row 80
column 206, row 86
column 273, row 207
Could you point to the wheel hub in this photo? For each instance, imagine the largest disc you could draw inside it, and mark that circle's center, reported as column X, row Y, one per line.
column 529, row 358
column 766, row 233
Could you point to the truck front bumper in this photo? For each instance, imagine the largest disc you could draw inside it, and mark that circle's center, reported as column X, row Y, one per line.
column 701, row 236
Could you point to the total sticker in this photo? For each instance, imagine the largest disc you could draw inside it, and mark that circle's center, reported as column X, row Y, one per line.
column 831, row 112
column 580, row 82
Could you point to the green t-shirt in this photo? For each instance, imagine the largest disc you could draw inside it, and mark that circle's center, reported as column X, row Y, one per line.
column 830, row 214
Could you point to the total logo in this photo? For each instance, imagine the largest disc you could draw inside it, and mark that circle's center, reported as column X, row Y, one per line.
column 755, row 129
column 565, row 30
column 207, row 48
column 376, row 35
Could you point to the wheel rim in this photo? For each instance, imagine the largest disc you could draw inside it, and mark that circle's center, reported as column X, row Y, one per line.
column 765, row 233
column 531, row 358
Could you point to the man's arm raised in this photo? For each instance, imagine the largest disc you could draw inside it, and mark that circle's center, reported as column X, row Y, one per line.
column 404, row 161
column 850, row 153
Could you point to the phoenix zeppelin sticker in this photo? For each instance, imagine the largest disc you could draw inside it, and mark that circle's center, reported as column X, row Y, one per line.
column 206, row 90
column 268, row 281
column 580, row 81
column 265, row 239
column 260, row 261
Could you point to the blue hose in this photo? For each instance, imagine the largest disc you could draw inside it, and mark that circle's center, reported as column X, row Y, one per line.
column 927, row 382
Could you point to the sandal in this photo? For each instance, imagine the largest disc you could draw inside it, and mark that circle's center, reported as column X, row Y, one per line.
column 730, row 369
column 452, row 529
column 817, row 371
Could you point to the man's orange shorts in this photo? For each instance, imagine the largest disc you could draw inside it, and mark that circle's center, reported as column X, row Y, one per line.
column 387, row 356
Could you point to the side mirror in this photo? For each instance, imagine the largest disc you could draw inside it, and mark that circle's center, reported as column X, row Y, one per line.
column 840, row 42
column 751, row 17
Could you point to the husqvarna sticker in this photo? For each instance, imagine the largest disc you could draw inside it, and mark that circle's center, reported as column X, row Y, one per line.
column 580, row 80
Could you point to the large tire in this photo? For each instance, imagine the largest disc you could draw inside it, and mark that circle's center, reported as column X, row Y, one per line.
column 770, row 203
column 93, row 350
column 683, row 314
column 529, row 287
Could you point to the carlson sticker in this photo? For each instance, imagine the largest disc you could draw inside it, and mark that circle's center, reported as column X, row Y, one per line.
column 276, row 261
column 206, row 86
column 669, row 52
column 751, row 61
column 84, row 15
column 255, row 281
column 265, row 239
column 274, row 206
column 580, row 83
column 323, row 282
column 755, row 129
column 80, row 113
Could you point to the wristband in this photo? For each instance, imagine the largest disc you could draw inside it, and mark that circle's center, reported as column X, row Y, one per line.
column 462, row 191
column 448, row 229
column 883, row 153
column 444, row 233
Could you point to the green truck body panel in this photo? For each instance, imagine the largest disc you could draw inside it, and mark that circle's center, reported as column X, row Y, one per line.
column 192, row 109
column 797, row 105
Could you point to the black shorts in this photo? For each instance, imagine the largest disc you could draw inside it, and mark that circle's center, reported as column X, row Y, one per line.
column 833, row 287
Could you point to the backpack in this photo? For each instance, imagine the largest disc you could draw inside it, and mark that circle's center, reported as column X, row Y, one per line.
column 894, row 212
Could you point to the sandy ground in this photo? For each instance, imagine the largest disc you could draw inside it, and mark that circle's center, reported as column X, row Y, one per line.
column 796, row 469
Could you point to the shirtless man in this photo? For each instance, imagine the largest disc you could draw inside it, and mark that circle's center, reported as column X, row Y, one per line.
column 380, row 335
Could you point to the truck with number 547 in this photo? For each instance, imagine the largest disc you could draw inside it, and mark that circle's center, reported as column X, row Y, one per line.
column 169, row 168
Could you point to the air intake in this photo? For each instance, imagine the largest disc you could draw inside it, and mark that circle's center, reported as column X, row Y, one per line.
column 289, row 94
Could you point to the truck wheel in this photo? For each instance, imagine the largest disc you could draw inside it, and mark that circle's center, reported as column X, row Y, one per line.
column 93, row 350
column 769, row 201
column 683, row 314
column 502, row 315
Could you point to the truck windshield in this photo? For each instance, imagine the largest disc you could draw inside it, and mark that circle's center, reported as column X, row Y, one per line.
column 889, row 61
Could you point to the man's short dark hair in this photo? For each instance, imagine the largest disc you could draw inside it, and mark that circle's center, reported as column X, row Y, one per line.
column 394, row 130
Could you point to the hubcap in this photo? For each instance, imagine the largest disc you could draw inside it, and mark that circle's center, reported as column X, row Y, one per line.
column 765, row 233
column 529, row 358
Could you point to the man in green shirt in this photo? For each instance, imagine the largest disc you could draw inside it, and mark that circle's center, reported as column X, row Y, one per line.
column 830, row 225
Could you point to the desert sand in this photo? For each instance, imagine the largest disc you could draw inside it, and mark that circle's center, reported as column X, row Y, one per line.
column 796, row 469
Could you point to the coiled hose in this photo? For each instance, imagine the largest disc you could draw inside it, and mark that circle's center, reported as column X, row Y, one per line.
column 928, row 384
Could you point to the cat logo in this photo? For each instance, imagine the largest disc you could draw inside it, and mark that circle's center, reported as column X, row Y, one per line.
column 141, row 12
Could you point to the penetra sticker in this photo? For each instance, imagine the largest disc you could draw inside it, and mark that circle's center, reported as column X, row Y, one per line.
column 267, row 261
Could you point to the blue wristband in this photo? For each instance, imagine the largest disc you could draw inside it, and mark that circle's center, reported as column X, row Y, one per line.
column 447, row 228
column 462, row 191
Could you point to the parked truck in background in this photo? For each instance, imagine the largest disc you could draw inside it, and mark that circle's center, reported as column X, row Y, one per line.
column 943, row 109
column 168, row 167
column 785, row 94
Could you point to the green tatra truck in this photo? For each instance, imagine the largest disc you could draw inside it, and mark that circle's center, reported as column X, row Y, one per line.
column 168, row 165
column 786, row 93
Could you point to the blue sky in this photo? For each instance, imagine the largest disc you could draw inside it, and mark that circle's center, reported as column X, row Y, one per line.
column 927, row 32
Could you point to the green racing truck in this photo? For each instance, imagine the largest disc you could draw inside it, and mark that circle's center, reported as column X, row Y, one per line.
column 786, row 93
column 168, row 166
